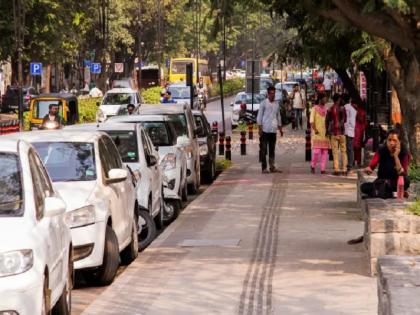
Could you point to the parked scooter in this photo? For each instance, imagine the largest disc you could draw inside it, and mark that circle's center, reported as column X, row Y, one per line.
column 246, row 117
column 172, row 204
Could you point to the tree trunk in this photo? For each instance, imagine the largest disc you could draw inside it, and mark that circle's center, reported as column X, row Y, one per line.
column 404, row 76
column 349, row 85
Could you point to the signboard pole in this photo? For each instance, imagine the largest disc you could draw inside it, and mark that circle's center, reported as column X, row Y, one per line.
column 219, row 77
column 252, row 87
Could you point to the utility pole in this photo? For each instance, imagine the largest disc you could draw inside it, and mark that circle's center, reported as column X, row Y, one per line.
column 197, row 34
column 19, row 23
column 139, row 50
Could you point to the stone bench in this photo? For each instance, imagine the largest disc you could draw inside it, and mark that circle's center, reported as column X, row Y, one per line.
column 398, row 285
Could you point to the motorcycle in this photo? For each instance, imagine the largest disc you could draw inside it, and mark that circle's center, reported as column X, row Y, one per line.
column 172, row 204
column 201, row 102
column 246, row 117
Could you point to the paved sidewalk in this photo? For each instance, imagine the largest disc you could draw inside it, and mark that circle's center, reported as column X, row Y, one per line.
column 254, row 244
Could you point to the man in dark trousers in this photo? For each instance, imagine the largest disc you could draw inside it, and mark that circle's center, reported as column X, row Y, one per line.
column 269, row 121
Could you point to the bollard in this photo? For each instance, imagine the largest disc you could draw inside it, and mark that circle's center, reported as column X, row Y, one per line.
column 308, row 146
column 250, row 131
column 243, row 142
column 221, row 143
column 228, row 155
column 215, row 130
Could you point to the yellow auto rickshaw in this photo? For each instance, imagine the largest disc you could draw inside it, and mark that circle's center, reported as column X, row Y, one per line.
column 66, row 102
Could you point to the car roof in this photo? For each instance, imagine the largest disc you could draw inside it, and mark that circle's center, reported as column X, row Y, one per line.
column 121, row 90
column 159, row 109
column 103, row 126
column 139, row 118
column 62, row 135
column 8, row 144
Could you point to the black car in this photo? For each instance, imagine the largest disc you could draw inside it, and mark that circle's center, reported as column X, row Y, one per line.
column 207, row 145
column 10, row 100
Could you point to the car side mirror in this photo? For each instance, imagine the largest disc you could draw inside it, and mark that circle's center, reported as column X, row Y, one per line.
column 54, row 206
column 151, row 160
column 116, row 175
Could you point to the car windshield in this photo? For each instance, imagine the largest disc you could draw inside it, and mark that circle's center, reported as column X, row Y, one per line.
column 242, row 98
column 126, row 143
column 43, row 107
column 180, row 124
column 158, row 132
column 180, row 92
column 119, row 99
column 68, row 161
column 11, row 192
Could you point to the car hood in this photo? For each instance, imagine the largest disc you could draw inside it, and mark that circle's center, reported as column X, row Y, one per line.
column 75, row 194
column 110, row 110
column 15, row 234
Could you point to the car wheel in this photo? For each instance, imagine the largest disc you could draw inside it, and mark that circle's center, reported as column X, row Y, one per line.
column 105, row 274
column 146, row 229
column 210, row 174
column 184, row 194
column 159, row 218
column 131, row 252
column 172, row 209
column 63, row 306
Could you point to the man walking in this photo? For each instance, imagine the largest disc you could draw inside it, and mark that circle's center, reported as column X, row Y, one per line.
column 349, row 126
column 298, row 103
column 269, row 121
column 334, row 123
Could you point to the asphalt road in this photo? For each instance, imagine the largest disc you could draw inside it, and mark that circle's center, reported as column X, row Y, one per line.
column 214, row 113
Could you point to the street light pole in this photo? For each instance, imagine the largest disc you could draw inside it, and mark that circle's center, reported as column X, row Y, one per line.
column 139, row 48
column 19, row 21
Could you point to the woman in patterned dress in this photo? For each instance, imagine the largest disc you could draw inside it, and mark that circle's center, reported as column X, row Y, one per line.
column 320, row 142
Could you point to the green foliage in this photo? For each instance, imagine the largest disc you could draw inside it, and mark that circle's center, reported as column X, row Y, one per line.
column 222, row 164
column 414, row 208
column 151, row 95
column 229, row 87
column 414, row 173
column 88, row 109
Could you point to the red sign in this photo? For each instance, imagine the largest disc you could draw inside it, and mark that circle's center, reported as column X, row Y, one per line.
column 362, row 87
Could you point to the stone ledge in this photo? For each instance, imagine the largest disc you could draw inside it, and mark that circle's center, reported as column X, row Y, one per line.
column 398, row 285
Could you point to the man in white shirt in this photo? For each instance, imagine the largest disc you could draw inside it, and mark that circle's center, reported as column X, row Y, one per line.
column 327, row 85
column 269, row 121
column 299, row 104
column 349, row 126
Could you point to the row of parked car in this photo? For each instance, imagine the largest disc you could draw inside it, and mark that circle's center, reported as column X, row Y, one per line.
column 89, row 197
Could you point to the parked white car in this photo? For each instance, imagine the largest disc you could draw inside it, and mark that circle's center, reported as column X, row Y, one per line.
column 184, row 123
column 116, row 100
column 173, row 159
column 87, row 171
column 36, row 268
column 244, row 100
column 139, row 154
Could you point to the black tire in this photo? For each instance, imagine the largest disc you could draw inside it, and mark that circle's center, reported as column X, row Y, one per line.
column 105, row 274
column 148, row 229
column 175, row 208
column 184, row 193
column 63, row 305
column 130, row 253
column 159, row 218
column 210, row 174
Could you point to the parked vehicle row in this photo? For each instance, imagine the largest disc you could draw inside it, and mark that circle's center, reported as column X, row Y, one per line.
column 89, row 197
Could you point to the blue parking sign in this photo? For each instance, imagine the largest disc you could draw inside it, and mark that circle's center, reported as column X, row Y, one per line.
column 35, row 68
column 95, row 68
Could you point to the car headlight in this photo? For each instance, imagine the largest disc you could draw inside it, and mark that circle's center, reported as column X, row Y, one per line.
column 81, row 217
column 204, row 150
column 168, row 162
column 188, row 150
column 16, row 262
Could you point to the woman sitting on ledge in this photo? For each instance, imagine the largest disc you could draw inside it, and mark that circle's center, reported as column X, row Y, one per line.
column 393, row 159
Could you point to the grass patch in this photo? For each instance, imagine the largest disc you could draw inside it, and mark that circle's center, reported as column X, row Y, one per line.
column 414, row 173
column 244, row 127
column 222, row 164
column 414, row 208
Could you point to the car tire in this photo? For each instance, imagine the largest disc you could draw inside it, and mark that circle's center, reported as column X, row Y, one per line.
column 159, row 218
column 130, row 253
column 175, row 208
column 209, row 175
column 63, row 305
column 147, row 233
column 105, row 274
column 184, row 194
column 193, row 188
